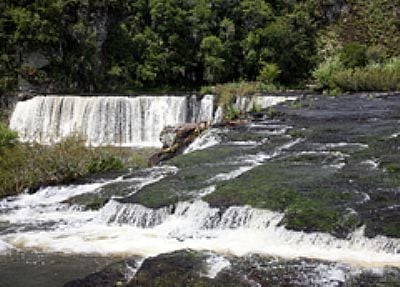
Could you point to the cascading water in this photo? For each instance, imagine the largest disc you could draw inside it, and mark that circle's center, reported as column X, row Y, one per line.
column 126, row 121
column 46, row 221
column 135, row 230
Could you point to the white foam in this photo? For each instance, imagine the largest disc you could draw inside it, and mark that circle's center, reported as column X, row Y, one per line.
column 251, row 162
column 208, row 139
column 345, row 144
column 374, row 164
column 46, row 205
column 215, row 264
column 239, row 231
column 230, row 175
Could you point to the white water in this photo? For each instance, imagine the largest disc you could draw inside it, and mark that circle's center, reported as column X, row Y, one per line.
column 207, row 139
column 123, row 121
column 131, row 229
column 115, row 230
column 262, row 102
column 216, row 264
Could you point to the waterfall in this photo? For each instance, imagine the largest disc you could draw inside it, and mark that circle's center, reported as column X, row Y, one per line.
column 133, row 214
column 126, row 121
column 193, row 223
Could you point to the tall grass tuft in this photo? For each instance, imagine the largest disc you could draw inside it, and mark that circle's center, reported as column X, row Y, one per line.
column 31, row 165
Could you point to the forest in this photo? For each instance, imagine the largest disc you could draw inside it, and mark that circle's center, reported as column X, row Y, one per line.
column 124, row 45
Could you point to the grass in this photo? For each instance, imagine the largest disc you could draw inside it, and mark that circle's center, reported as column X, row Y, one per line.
column 226, row 93
column 332, row 76
column 30, row 165
column 372, row 78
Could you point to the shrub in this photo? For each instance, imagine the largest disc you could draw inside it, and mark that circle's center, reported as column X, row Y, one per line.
column 226, row 93
column 24, row 166
column 269, row 73
column 231, row 112
column 371, row 78
column 393, row 65
column 105, row 163
column 354, row 55
column 333, row 76
column 376, row 54
column 323, row 74
column 8, row 138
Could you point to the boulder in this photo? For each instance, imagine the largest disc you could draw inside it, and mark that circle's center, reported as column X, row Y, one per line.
column 176, row 139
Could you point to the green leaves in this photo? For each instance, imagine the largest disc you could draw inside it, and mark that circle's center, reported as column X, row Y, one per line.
column 120, row 45
column 8, row 138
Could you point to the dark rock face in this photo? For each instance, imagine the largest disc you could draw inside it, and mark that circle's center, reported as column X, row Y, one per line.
column 7, row 101
column 176, row 139
column 189, row 268
column 114, row 275
column 181, row 268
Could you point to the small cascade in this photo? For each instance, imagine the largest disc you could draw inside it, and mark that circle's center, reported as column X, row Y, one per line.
column 123, row 228
column 208, row 139
column 122, row 121
column 259, row 102
column 133, row 214
column 198, row 223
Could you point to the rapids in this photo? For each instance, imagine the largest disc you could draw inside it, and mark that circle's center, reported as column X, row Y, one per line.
column 160, row 211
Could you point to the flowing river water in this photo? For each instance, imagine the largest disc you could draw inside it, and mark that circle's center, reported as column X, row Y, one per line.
column 53, row 236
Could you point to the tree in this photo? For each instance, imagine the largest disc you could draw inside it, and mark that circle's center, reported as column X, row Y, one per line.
column 212, row 49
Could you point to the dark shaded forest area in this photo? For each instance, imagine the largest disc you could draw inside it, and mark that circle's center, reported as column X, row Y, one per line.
column 122, row 45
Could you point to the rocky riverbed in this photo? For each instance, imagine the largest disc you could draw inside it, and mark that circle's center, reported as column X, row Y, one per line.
column 305, row 194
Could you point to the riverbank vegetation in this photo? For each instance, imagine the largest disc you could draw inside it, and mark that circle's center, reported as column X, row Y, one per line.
column 358, row 68
column 31, row 166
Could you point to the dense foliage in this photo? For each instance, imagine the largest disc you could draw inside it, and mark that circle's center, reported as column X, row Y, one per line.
column 121, row 45
column 358, row 68
column 103, row 45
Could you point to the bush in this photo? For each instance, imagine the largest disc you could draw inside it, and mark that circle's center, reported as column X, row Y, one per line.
column 376, row 55
column 8, row 138
column 371, row 78
column 231, row 112
column 323, row 74
column 226, row 93
column 269, row 73
column 354, row 55
column 105, row 163
column 333, row 76
column 24, row 166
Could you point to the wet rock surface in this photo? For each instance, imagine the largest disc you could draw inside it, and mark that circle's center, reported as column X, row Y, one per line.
column 330, row 164
column 182, row 268
column 175, row 140
column 258, row 204
column 194, row 268
column 115, row 274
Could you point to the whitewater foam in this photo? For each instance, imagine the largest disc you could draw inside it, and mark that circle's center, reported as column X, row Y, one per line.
column 215, row 264
column 206, row 140
column 238, row 231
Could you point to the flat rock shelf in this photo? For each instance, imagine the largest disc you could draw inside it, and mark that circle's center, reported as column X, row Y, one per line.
column 305, row 194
